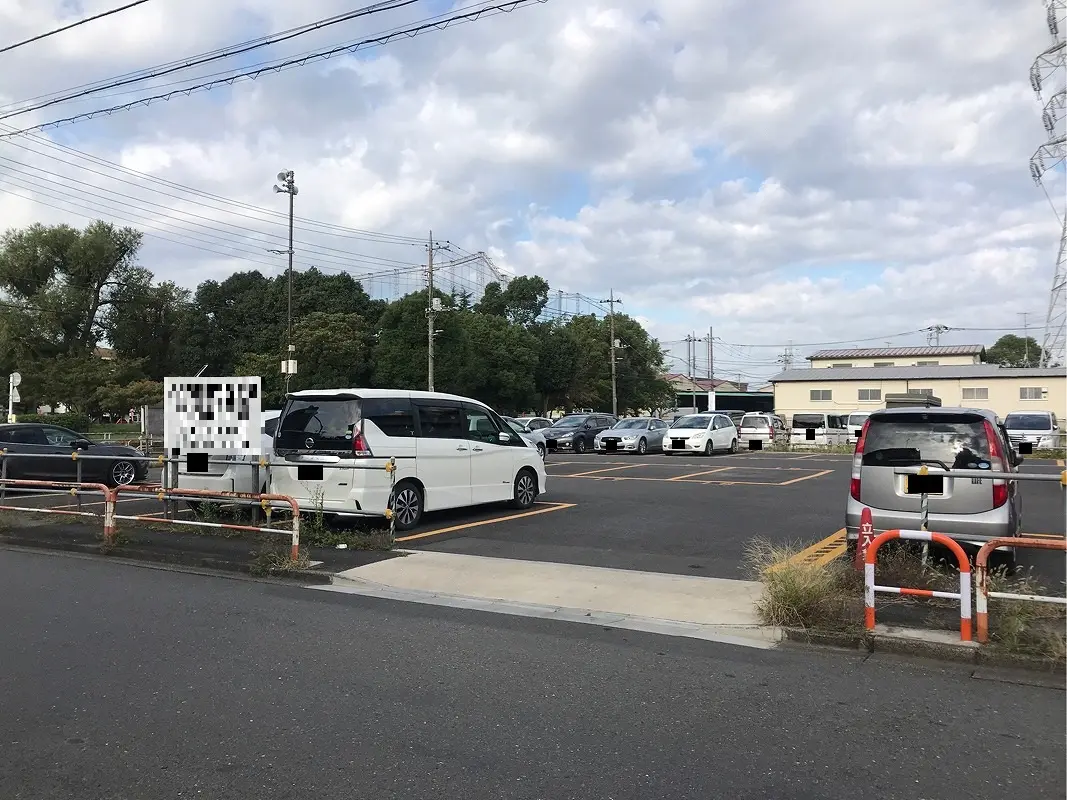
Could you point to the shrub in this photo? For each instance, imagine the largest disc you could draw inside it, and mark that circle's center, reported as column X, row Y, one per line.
column 79, row 423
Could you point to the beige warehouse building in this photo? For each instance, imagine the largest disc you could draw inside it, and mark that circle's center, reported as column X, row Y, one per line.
column 841, row 389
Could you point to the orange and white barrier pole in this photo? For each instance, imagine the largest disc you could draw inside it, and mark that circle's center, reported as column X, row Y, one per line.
column 981, row 568
column 963, row 595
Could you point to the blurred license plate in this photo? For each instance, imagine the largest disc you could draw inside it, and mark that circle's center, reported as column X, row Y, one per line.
column 925, row 484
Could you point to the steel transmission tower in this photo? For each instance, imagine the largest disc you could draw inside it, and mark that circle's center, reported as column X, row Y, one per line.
column 1048, row 76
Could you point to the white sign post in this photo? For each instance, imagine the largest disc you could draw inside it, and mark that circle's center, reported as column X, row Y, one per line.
column 13, row 380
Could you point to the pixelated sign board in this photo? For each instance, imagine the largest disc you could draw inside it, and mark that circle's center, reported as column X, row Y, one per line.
column 212, row 416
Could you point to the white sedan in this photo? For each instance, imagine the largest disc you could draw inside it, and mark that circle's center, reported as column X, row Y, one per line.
column 701, row 433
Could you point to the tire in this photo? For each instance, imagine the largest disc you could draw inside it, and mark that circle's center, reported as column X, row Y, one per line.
column 541, row 450
column 708, row 449
column 579, row 446
column 406, row 503
column 733, row 446
column 525, row 491
column 121, row 473
column 642, row 447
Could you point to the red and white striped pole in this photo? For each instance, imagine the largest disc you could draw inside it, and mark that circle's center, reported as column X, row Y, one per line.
column 863, row 538
column 110, row 498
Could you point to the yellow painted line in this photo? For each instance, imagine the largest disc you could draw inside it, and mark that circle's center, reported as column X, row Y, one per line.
column 1059, row 462
column 550, row 507
column 822, row 552
column 602, row 469
column 807, row 477
column 698, row 474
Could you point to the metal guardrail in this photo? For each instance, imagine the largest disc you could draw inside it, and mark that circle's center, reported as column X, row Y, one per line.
column 982, row 579
column 963, row 595
column 985, row 473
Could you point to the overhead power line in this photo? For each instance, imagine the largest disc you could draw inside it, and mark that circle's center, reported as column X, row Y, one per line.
column 375, row 41
column 45, row 35
column 207, row 58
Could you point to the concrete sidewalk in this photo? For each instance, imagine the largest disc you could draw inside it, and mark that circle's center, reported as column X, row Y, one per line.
column 706, row 608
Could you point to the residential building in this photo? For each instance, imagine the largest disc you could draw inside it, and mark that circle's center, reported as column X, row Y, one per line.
column 692, row 394
column 947, row 356
column 990, row 386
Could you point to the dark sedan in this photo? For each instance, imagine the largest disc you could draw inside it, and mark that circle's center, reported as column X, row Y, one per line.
column 43, row 452
column 576, row 432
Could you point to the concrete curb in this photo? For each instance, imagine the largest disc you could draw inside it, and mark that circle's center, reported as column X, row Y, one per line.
column 959, row 652
column 171, row 557
column 756, row 636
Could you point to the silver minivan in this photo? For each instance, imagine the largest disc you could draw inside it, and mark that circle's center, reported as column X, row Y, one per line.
column 970, row 510
column 1032, row 430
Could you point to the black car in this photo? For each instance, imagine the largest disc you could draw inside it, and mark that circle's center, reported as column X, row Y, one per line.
column 43, row 452
column 576, row 432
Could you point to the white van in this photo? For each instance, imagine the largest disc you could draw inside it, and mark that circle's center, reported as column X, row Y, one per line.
column 854, row 424
column 237, row 474
column 1033, row 430
column 331, row 447
column 818, row 430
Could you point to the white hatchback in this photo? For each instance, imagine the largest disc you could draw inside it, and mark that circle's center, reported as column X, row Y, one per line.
column 332, row 445
column 701, row 433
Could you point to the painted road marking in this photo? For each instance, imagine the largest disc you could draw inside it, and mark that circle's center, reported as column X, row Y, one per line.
column 103, row 502
column 688, row 480
column 819, row 554
column 602, row 469
column 819, row 474
column 698, row 474
column 549, row 507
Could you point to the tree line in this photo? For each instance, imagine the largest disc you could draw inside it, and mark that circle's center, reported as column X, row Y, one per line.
column 67, row 292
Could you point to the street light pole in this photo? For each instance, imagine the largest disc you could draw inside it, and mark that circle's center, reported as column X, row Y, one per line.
column 288, row 186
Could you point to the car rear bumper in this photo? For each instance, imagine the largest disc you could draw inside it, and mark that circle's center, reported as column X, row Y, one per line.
column 974, row 529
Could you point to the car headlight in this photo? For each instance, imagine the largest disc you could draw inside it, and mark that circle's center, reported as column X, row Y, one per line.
column 566, row 436
column 628, row 437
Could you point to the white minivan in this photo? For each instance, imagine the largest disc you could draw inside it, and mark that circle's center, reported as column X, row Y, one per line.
column 818, row 429
column 854, row 424
column 331, row 447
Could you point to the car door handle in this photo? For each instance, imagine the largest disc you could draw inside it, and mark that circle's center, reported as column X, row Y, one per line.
column 462, row 447
column 476, row 449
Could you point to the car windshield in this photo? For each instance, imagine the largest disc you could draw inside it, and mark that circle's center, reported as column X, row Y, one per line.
column 953, row 441
column 755, row 422
column 515, row 426
column 809, row 421
column 691, row 421
column 624, row 424
column 569, row 422
column 857, row 420
column 1028, row 422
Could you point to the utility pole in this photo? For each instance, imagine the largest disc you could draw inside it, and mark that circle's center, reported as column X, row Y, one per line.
column 611, row 301
column 288, row 186
column 1026, row 337
column 711, row 368
column 433, row 308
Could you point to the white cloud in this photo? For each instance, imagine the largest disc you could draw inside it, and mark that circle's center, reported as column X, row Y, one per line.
column 828, row 171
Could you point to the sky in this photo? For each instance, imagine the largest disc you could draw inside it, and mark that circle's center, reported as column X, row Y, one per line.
column 790, row 172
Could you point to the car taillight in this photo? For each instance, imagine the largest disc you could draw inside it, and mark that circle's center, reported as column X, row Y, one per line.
column 999, row 464
column 359, row 446
column 857, row 462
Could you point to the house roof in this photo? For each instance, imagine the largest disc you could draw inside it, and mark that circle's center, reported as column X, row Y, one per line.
column 698, row 384
column 900, row 352
column 961, row 371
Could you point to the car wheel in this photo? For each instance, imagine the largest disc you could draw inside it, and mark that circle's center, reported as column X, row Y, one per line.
column 406, row 503
column 733, row 446
column 541, row 450
column 579, row 445
column 708, row 449
column 122, row 473
column 525, row 489
column 642, row 447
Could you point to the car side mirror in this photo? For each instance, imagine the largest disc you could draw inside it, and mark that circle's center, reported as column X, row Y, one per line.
column 1016, row 457
column 504, row 437
column 82, row 444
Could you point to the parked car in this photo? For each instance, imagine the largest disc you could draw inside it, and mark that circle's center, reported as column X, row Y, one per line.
column 854, row 426
column 237, row 474
column 817, row 430
column 332, row 446
column 1038, row 429
column 971, row 510
column 633, row 435
column 701, row 433
column 532, row 435
column 533, row 423
column 576, row 432
column 35, row 451
column 764, row 428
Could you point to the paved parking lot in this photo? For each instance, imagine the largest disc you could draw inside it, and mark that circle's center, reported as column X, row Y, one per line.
column 688, row 515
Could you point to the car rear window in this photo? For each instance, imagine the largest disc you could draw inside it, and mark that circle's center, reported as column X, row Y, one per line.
column 1028, row 422
column 857, row 420
column 809, row 421
column 327, row 422
column 954, row 441
column 755, row 422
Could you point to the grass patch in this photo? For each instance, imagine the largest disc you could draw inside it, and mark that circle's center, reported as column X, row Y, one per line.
column 830, row 598
column 277, row 561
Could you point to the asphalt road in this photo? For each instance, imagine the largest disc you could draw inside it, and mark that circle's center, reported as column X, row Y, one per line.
column 121, row 681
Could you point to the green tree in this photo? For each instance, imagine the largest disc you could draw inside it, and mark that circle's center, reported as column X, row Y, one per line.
column 557, row 364
column 149, row 323
column 521, row 302
column 500, row 370
column 61, row 280
column 81, row 382
column 399, row 352
column 1014, row 351
column 120, row 398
